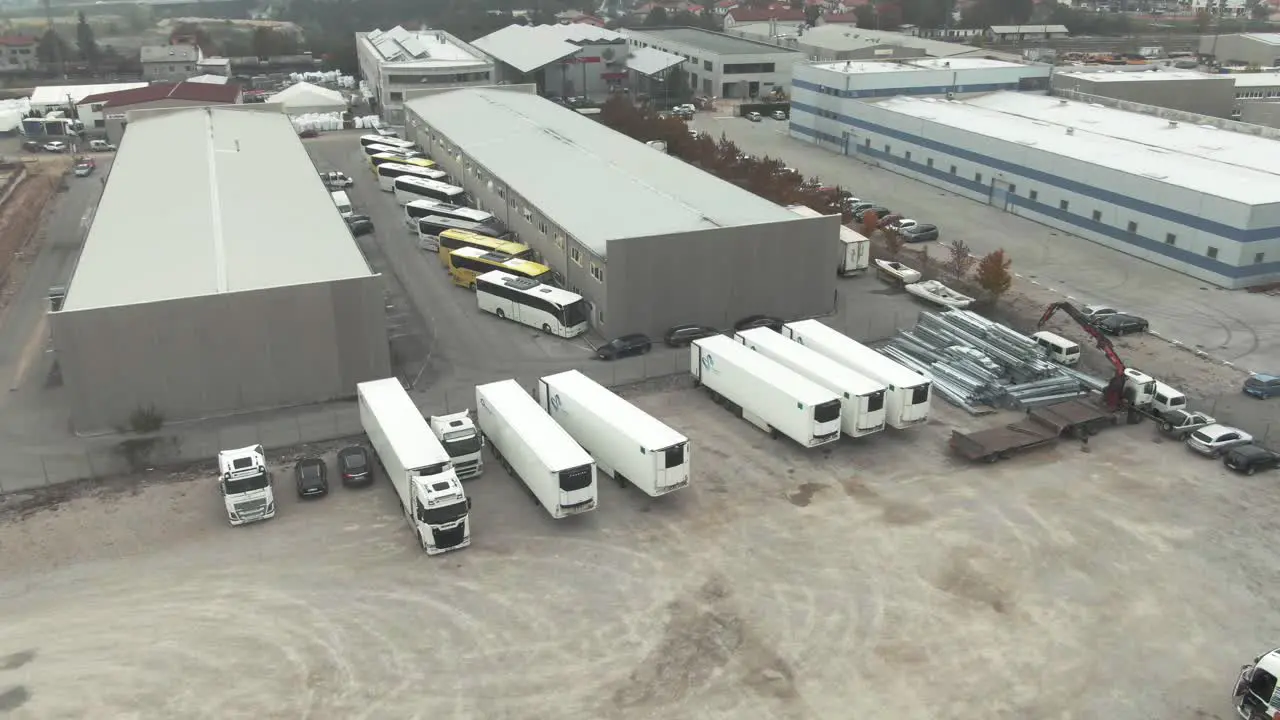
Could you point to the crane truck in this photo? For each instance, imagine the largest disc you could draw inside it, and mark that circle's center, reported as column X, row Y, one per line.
column 458, row 433
column 1129, row 393
column 245, row 485
column 431, row 496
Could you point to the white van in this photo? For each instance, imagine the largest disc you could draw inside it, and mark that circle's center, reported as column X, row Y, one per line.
column 1060, row 349
column 343, row 202
column 1167, row 400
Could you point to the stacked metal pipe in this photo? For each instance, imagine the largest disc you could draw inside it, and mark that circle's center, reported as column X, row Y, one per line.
column 976, row 362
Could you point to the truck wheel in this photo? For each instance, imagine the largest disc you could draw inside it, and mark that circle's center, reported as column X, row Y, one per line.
column 1167, row 427
column 498, row 312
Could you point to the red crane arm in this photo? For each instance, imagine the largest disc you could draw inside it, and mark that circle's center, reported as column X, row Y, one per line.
column 1116, row 389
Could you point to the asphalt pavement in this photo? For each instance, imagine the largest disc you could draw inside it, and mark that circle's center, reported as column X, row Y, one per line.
column 1235, row 326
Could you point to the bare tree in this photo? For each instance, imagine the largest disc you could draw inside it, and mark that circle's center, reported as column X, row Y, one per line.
column 961, row 259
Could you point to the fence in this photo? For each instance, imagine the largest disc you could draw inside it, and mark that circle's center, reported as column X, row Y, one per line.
column 199, row 442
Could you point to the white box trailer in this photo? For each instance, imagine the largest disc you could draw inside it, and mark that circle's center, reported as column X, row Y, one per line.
column 626, row 442
column 418, row 466
column 766, row 394
column 907, row 396
column 533, row 448
column 862, row 408
column 855, row 248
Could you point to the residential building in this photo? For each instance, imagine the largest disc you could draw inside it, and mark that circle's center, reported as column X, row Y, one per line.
column 745, row 15
column 217, row 277
column 1202, row 200
column 105, row 114
column 562, row 60
column 214, row 66
column 650, row 241
column 397, row 63
column 1256, row 49
column 721, row 65
column 1186, row 90
column 170, row 63
column 48, row 98
column 18, row 53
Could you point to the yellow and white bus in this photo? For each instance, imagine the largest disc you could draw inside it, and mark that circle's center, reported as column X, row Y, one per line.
column 466, row 264
column 408, row 189
column 456, row 239
column 388, row 140
column 415, row 210
column 529, row 302
column 388, row 172
column 399, row 158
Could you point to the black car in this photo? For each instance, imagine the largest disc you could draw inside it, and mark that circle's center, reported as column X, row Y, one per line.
column 919, row 233
column 636, row 344
column 32, row 146
column 756, row 321
column 359, row 224
column 312, row 476
column 353, row 463
column 682, row 335
column 1249, row 459
column 879, row 210
column 309, row 133
column 1121, row 324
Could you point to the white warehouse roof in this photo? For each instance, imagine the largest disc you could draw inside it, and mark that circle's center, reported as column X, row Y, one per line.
column 207, row 201
column 1267, row 79
column 1144, row 76
column 1203, row 159
column 871, row 67
column 423, row 49
column 58, row 94
column 597, row 184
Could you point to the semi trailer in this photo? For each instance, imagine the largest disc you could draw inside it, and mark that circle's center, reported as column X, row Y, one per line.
column 530, row 446
column 431, row 495
column 906, row 391
column 862, row 408
column 764, row 393
column 626, row 442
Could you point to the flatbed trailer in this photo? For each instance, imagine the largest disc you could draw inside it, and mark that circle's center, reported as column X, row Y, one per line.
column 1042, row 426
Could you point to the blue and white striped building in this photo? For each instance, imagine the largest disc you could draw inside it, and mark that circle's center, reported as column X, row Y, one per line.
column 1197, row 199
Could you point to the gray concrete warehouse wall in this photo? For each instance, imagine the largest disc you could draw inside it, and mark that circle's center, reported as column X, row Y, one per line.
column 717, row 277
column 1214, row 96
column 1261, row 113
column 222, row 354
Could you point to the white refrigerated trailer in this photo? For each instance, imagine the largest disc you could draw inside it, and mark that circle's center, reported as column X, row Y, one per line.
column 907, row 396
column 626, row 442
column 855, row 248
column 524, row 439
column 861, row 398
column 418, row 466
column 766, row 394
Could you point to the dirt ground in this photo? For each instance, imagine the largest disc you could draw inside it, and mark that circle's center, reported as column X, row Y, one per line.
column 20, row 217
column 880, row 578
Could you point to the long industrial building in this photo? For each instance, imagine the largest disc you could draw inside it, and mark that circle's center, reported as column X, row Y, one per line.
column 217, row 277
column 1197, row 199
column 649, row 240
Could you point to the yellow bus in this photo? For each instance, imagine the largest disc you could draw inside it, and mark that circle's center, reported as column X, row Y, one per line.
column 468, row 263
column 451, row 240
column 377, row 159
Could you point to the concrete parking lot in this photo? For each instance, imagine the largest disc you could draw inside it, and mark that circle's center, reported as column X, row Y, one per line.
column 879, row 578
column 1231, row 325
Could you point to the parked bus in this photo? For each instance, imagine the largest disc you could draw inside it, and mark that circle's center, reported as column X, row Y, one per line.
column 375, row 149
column 450, row 240
column 400, row 158
column 415, row 210
column 431, row 226
column 466, row 264
column 388, row 172
column 529, row 302
column 411, row 188
column 395, row 142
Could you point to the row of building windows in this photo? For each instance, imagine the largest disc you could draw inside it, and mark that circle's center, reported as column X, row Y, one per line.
column 438, row 79
column 747, row 68
column 1063, row 205
column 1257, row 94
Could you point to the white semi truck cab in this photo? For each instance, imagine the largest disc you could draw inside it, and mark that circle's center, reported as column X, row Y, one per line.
column 441, row 511
column 245, row 485
column 458, row 433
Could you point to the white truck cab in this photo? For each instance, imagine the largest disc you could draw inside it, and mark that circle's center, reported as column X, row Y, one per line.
column 1139, row 388
column 1255, row 695
column 458, row 433
column 245, row 485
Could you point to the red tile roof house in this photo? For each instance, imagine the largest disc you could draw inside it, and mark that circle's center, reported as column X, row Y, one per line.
column 105, row 112
column 18, row 52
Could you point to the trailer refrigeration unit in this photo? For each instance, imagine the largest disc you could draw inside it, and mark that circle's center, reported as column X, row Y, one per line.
column 524, row 439
column 418, row 466
column 861, row 399
column 626, row 442
column 764, row 393
column 907, row 392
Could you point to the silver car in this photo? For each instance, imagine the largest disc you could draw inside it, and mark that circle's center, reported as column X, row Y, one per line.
column 1213, row 440
column 1181, row 423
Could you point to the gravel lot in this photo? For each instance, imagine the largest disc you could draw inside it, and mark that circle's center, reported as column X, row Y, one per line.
column 878, row 579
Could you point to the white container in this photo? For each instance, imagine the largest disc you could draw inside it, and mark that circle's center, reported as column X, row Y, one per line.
column 769, row 396
column 855, row 248
column 535, row 450
column 862, row 400
column 431, row 496
column 907, row 392
column 626, row 442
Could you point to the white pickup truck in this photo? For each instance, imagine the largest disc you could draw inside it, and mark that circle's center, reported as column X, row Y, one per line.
column 335, row 180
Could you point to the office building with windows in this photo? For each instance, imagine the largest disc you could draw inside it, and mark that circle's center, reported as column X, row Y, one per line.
column 720, row 65
column 399, row 64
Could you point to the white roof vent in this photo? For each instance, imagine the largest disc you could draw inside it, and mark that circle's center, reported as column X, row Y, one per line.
column 1062, row 102
column 1173, row 123
column 1071, row 131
